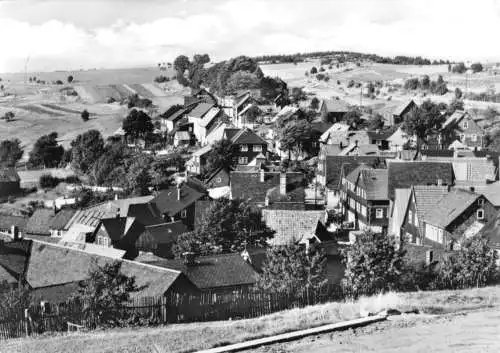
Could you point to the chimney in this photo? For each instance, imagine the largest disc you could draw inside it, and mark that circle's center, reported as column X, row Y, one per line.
column 189, row 258
column 440, row 182
column 246, row 256
column 179, row 191
column 283, row 184
column 262, row 176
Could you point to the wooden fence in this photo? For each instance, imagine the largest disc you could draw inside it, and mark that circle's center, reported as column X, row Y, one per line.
column 172, row 308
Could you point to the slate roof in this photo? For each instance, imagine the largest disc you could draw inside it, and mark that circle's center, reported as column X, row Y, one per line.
column 405, row 174
column 216, row 271
column 209, row 116
column 200, row 110
column 450, row 206
column 7, row 221
column 51, row 265
column 399, row 206
column 335, row 105
column 9, row 175
column 334, row 167
column 247, row 185
column 167, row 201
column 146, row 213
column 402, row 107
column 165, row 232
column 62, row 218
column 247, row 136
column 373, row 181
column 40, row 222
column 118, row 228
column 292, row 226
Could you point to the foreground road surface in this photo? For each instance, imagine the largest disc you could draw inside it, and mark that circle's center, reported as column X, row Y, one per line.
column 474, row 332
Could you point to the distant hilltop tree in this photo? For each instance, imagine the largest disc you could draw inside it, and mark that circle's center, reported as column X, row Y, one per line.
column 85, row 115
column 70, row 78
column 476, row 67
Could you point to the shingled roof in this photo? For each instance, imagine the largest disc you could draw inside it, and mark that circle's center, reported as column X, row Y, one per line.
column 405, row 174
column 373, row 181
column 292, row 226
column 450, row 206
column 40, row 222
column 200, row 110
column 216, row 271
column 247, row 136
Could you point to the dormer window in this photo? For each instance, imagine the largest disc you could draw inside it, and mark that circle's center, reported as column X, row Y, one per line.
column 244, row 148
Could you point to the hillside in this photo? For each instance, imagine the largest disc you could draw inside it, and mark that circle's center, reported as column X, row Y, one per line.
column 196, row 336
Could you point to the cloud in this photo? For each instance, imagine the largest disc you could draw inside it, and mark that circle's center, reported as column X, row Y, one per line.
column 113, row 34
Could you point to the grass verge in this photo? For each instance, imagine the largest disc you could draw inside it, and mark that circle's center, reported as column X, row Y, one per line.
column 196, row 336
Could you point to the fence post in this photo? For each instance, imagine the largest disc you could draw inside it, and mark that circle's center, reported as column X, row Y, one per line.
column 26, row 315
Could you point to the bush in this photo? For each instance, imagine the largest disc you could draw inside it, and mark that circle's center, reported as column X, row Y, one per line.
column 47, row 181
column 161, row 79
column 314, row 70
column 59, row 82
column 350, row 84
column 111, row 100
column 85, row 115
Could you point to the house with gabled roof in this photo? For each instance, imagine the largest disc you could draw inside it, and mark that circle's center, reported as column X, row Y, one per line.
column 10, row 182
column 461, row 125
column 204, row 118
column 398, row 114
column 331, row 167
column 179, row 202
column 333, row 110
column 158, row 239
column 248, row 146
column 440, row 216
column 119, row 233
column 364, row 199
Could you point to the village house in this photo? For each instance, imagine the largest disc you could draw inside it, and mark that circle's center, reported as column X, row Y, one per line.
column 179, row 202
column 333, row 110
column 237, row 106
column 460, row 125
column 249, row 145
column 330, row 168
column 10, row 182
column 217, row 179
column 158, row 239
column 398, row 114
column 200, row 95
column 196, row 165
column 204, row 118
column 439, row 216
column 365, row 203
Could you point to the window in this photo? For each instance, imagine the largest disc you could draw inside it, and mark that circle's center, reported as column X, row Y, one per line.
column 410, row 217
column 219, row 180
column 473, row 138
column 363, row 211
column 462, row 137
column 183, row 213
column 480, row 214
column 379, row 213
column 408, row 238
column 480, row 202
column 466, row 125
column 244, row 148
column 358, row 207
column 352, row 204
column 243, row 160
column 415, row 219
column 257, row 148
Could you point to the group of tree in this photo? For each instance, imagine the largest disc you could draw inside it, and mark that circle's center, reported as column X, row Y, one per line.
column 460, row 68
column 295, row 136
column 424, row 83
column 221, row 156
column 226, row 226
column 134, row 101
column 375, row 264
column 8, row 116
column 226, row 77
column 137, row 124
column 46, row 152
column 424, row 121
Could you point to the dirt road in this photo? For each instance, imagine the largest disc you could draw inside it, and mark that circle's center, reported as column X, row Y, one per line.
column 473, row 332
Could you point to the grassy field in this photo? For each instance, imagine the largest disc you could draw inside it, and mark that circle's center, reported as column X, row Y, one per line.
column 196, row 336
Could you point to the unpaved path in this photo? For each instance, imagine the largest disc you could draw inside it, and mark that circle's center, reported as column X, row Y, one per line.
column 457, row 333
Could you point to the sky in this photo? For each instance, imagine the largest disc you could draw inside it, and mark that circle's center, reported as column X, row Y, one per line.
column 75, row 34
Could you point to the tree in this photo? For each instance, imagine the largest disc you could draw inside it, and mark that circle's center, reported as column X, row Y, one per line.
column 221, row 156
column 47, row 181
column 423, row 121
column 294, row 136
column 137, row 124
column 314, row 70
column 353, row 117
column 425, row 82
column 86, row 150
column 449, row 67
column 227, row 226
column 291, row 268
column 491, row 113
column 46, row 152
column 459, row 68
column 458, row 93
column 242, row 80
column 104, row 293
column 376, row 122
column 181, row 64
column 298, row 94
column 473, row 266
column 9, row 116
column 373, row 264
column 10, row 152
column 270, row 88
column 109, row 168
column 314, row 103
column 476, row 67
column 85, row 115
column 138, row 178
column 456, row 104
column 70, row 78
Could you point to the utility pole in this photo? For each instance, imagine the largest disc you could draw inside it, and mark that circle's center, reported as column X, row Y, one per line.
column 26, row 69
column 361, row 96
